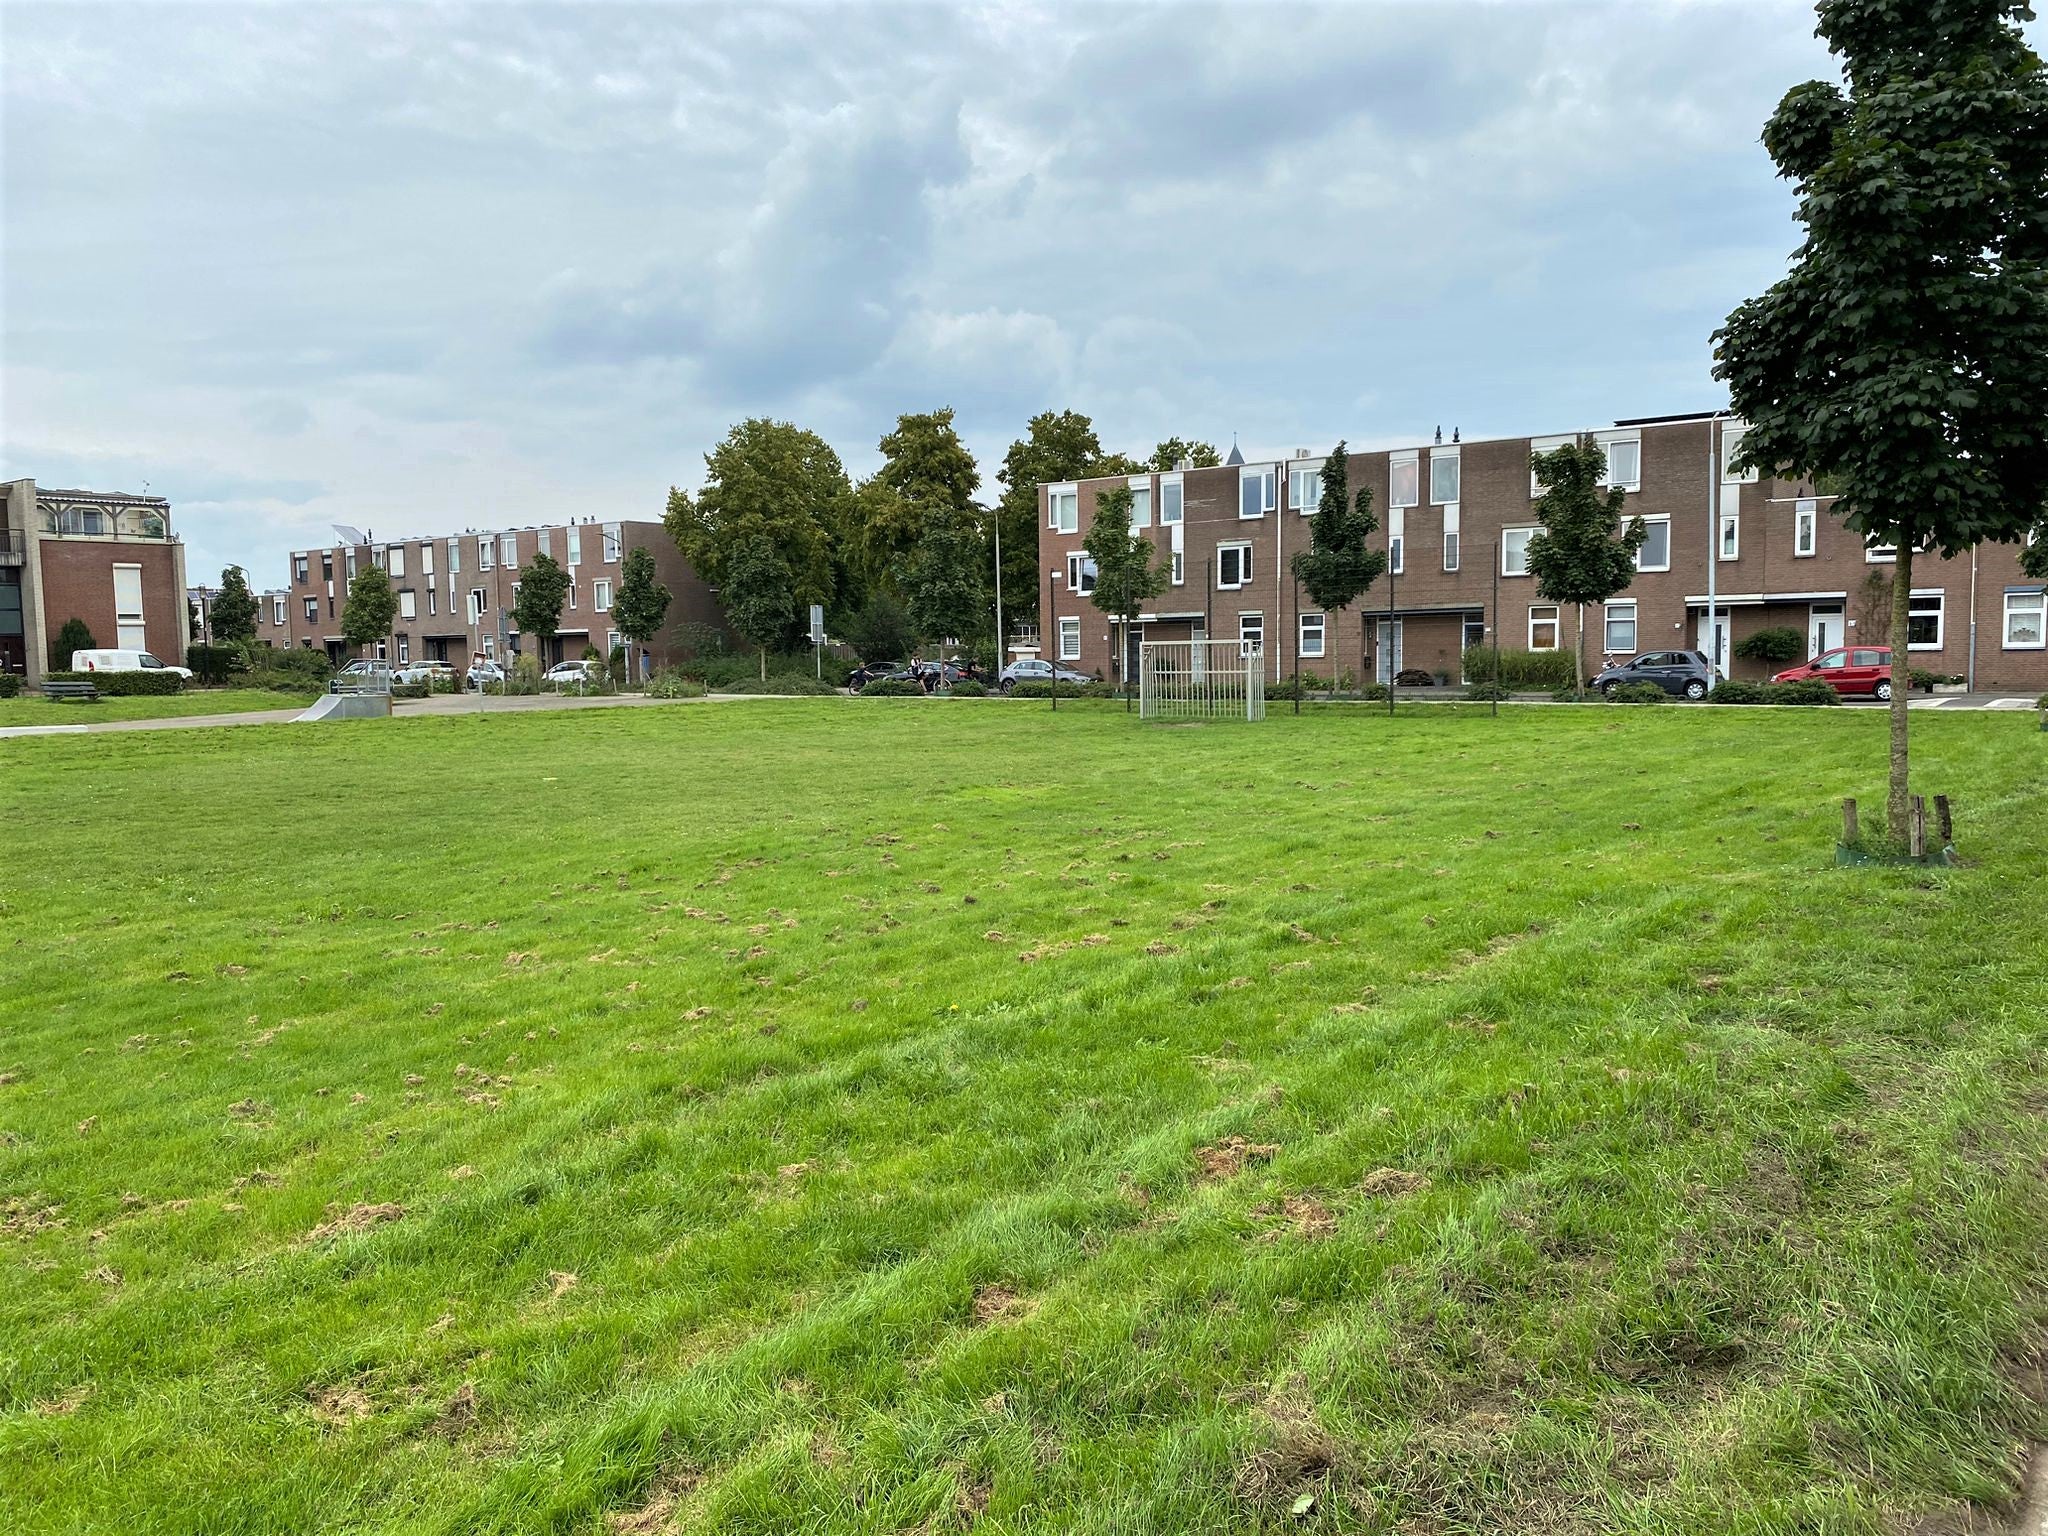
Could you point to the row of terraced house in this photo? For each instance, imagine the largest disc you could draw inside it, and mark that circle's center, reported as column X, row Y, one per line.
column 1455, row 520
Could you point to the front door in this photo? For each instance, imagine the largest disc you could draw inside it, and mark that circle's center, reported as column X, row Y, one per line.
column 1824, row 629
column 1134, row 638
column 1714, row 642
column 1387, row 646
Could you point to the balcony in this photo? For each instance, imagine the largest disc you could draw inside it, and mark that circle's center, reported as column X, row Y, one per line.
column 13, row 547
column 126, row 524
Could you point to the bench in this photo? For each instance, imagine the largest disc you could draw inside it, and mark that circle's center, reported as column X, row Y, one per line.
column 57, row 693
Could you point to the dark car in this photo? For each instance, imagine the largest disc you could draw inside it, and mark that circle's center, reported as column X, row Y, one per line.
column 873, row 671
column 1688, row 674
column 944, row 674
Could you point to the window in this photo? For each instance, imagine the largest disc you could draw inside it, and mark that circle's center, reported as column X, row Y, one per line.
column 404, row 648
column 1923, row 621
column 351, row 557
column 433, row 602
column 2026, row 620
column 1403, row 483
column 1624, row 462
column 427, row 557
column 490, row 648
column 326, row 565
column 1397, row 539
column 80, row 520
column 1875, row 553
column 1141, row 503
column 1731, row 444
column 1258, row 490
column 408, row 604
column 299, row 569
column 1305, row 489
column 1621, row 628
column 1311, row 634
column 1731, row 535
column 476, row 605
column 128, row 625
column 312, row 610
column 1443, row 477
column 1063, row 509
column 1805, row 527
column 547, row 542
column 611, row 543
column 1233, row 565
column 1070, row 639
column 1080, row 575
column 1655, row 555
column 601, row 596
column 454, row 557
column 1543, row 627
column 1180, row 569
column 611, row 641
column 394, row 560
column 508, row 551
column 483, row 553
column 1251, row 633
column 1543, row 445
column 1451, row 524
column 277, row 611
column 575, row 545
column 1170, row 502
column 572, row 597
column 1514, row 551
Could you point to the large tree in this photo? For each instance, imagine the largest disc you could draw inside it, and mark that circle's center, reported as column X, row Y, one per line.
column 1125, row 574
column 537, row 607
column 1174, row 452
column 370, row 609
column 927, row 475
column 1337, row 567
column 944, row 590
column 233, row 614
column 1584, row 552
column 1058, row 445
column 641, row 602
column 759, row 594
column 1905, row 355
column 773, row 484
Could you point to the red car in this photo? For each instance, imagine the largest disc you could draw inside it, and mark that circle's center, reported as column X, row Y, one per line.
column 1857, row 671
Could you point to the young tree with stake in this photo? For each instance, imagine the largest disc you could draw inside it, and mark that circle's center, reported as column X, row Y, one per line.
column 537, row 610
column 1904, row 358
column 758, row 595
column 1337, row 568
column 371, row 608
column 1583, row 553
column 234, row 609
column 641, row 602
column 1125, row 574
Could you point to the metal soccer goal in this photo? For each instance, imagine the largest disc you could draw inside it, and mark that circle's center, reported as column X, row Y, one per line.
column 1201, row 680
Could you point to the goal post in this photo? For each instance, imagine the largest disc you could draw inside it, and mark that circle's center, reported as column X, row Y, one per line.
column 1201, row 680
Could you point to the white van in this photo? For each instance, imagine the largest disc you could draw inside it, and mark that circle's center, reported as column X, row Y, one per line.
column 123, row 661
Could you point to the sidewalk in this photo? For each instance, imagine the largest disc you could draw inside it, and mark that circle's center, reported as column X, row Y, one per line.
column 438, row 704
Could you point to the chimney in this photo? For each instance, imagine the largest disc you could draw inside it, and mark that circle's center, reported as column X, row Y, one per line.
column 1439, row 434
column 1454, row 434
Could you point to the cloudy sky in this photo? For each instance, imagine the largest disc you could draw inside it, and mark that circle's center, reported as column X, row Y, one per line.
column 431, row 268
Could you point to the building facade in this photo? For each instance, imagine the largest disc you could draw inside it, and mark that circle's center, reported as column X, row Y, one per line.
column 1455, row 519
column 107, row 558
column 456, row 593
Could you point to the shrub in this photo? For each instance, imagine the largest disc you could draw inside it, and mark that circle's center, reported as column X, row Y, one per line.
column 410, row 690
column 1314, row 682
column 669, row 683
column 1734, row 690
column 782, row 684
column 1779, row 646
column 968, row 688
column 2041, row 702
column 1037, row 691
column 1568, row 694
column 1808, row 690
column 1485, row 692
column 289, row 670
column 1637, row 693
column 74, row 636
column 215, row 663
column 1531, row 670
column 892, row 688
column 10, row 685
column 1414, row 677
column 124, row 685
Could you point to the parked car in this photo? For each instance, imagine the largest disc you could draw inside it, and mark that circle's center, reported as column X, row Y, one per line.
column 1038, row 670
column 363, row 675
column 482, row 673
column 570, row 676
column 123, row 661
column 1856, row 671
column 1687, row 674
column 935, row 674
column 873, row 671
column 906, row 672
column 431, row 673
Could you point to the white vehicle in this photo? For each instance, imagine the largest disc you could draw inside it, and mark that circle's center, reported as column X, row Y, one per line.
column 123, row 661
column 570, row 676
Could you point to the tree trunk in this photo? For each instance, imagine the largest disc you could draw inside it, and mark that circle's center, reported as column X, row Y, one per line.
column 1896, row 809
column 764, row 663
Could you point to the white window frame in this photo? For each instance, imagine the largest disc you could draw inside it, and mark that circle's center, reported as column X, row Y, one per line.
column 476, row 605
column 572, row 596
column 1397, row 539
column 1267, row 478
column 1179, row 569
column 1652, row 522
column 486, row 553
column 1526, row 533
column 575, row 544
column 1730, row 546
column 455, row 557
column 1243, row 552
column 277, row 611
column 1731, row 440
column 546, row 542
column 1411, row 461
column 1316, row 625
column 427, row 558
column 601, row 595
column 1141, row 500
column 1880, row 554
column 302, row 569
column 1070, row 639
column 1251, row 630
column 1619, row 611
column 1805, row 529
column 1555, row 621
column 1939, row 597
column 1081, row 574
column 312, row 610
column 508, row 551
column 1305, row 486
column 2023, row 605
column 408, row 604
column 1609, row 441
column 433, row 603
column 394, row 560
column 1172, row 500
column 1445, row 459
column 1063, row 508
column 614, row 543
column 131, row 630
column 404, row 649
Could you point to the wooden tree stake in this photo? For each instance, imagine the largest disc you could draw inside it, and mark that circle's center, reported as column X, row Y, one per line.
column 1916, row 832
column 1944, row 821
column 1849, row 822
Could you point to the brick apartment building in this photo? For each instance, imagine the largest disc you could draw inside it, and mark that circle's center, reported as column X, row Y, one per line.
column 456, row 591
column 108, row 558
column 1452, row 514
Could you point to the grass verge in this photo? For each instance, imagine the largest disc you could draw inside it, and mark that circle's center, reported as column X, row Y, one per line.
column 37, row 710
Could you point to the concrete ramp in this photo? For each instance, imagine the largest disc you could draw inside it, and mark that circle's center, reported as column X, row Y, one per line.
column 349, row 706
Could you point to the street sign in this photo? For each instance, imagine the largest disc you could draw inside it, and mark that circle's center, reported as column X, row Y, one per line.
column 817, row 623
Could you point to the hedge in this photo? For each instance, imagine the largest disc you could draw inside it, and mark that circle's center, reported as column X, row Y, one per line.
column 1042, row 690
column 1777, row 646
column 10, row 685
column 968, row 688
column 780, row 684
column 1532, row 671
column 892, row 688
column 215, row 663
column 121, row 685
column 1637, row 693
column 1809, row 690
column 1484, row 692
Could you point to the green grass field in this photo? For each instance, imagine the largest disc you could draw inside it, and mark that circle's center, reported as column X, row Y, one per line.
column 855, row 1117
column 217, row 701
